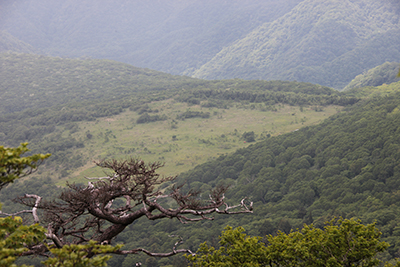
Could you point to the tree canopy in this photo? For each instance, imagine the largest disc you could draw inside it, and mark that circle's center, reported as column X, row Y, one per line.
column 346, row 166
column 13, row 166
column 342, row 242
column 16, row 237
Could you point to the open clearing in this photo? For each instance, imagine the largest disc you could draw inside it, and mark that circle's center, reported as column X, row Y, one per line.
column 183, row 144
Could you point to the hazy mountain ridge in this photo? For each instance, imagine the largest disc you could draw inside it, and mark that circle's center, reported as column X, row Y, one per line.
column 382, row 74
column 172, row 36
column 9, row 43
column 32, row 81
column 346, row 166
column 323, row 42
column 309, row 43
column 29, row 81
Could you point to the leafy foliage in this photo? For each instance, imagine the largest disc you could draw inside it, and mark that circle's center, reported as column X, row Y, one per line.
column 236, row 249
column 193, row 114
column 340, row 243
column 13, row 166
column 268, row 92
column 15, row 237
column 249, row 136
column 78, row 255
column 145, row 118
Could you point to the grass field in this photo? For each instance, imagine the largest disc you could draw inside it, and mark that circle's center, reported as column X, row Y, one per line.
column 183, row 144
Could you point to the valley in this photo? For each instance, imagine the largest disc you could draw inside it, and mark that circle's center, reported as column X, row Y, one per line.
column 291, row 108
column 281, row 144
column 183, row 144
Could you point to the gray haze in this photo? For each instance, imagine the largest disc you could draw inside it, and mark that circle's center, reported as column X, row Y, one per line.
column 212, row 39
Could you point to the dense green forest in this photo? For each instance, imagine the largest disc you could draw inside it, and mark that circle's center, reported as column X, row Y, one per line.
column 44, row 113
column 346, row 166
column 289, row 177
column 266, row 122
column 323, row 42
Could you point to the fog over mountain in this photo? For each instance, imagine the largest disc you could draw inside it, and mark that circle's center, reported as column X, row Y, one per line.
column 326, row 42
column 165, row 35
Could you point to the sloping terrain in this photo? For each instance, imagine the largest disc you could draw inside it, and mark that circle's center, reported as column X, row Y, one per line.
column 295, row 173
column 84, row 110
column 383, row 74
column 33, row 81
column 12, row 44
column 323, row 42
column 171, row 36
column 346, row 166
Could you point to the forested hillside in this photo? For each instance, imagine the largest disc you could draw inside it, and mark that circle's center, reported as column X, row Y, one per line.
column 34, row 81
column 346, row 166
column 82, row 110
column 383, row 74
column 323, row 42
column 172, row 36
column 258, row 111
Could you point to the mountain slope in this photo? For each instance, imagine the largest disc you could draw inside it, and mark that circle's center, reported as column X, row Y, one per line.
column 324, row 42
column 83, row 109
column 346, row 166
column 12, row 44
column 385, row 73
column 33, row 81
column 172, row 36
column 315, row 42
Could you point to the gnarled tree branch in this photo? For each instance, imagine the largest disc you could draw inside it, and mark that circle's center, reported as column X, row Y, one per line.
column 90, row 212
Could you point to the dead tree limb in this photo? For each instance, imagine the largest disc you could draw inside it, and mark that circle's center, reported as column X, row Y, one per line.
column 33, row 210
column 84, row 213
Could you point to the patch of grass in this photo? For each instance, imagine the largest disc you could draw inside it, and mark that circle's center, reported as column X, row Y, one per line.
column 183, row 144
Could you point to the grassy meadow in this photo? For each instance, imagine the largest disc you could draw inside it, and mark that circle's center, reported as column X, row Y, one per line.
column 183, row 144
